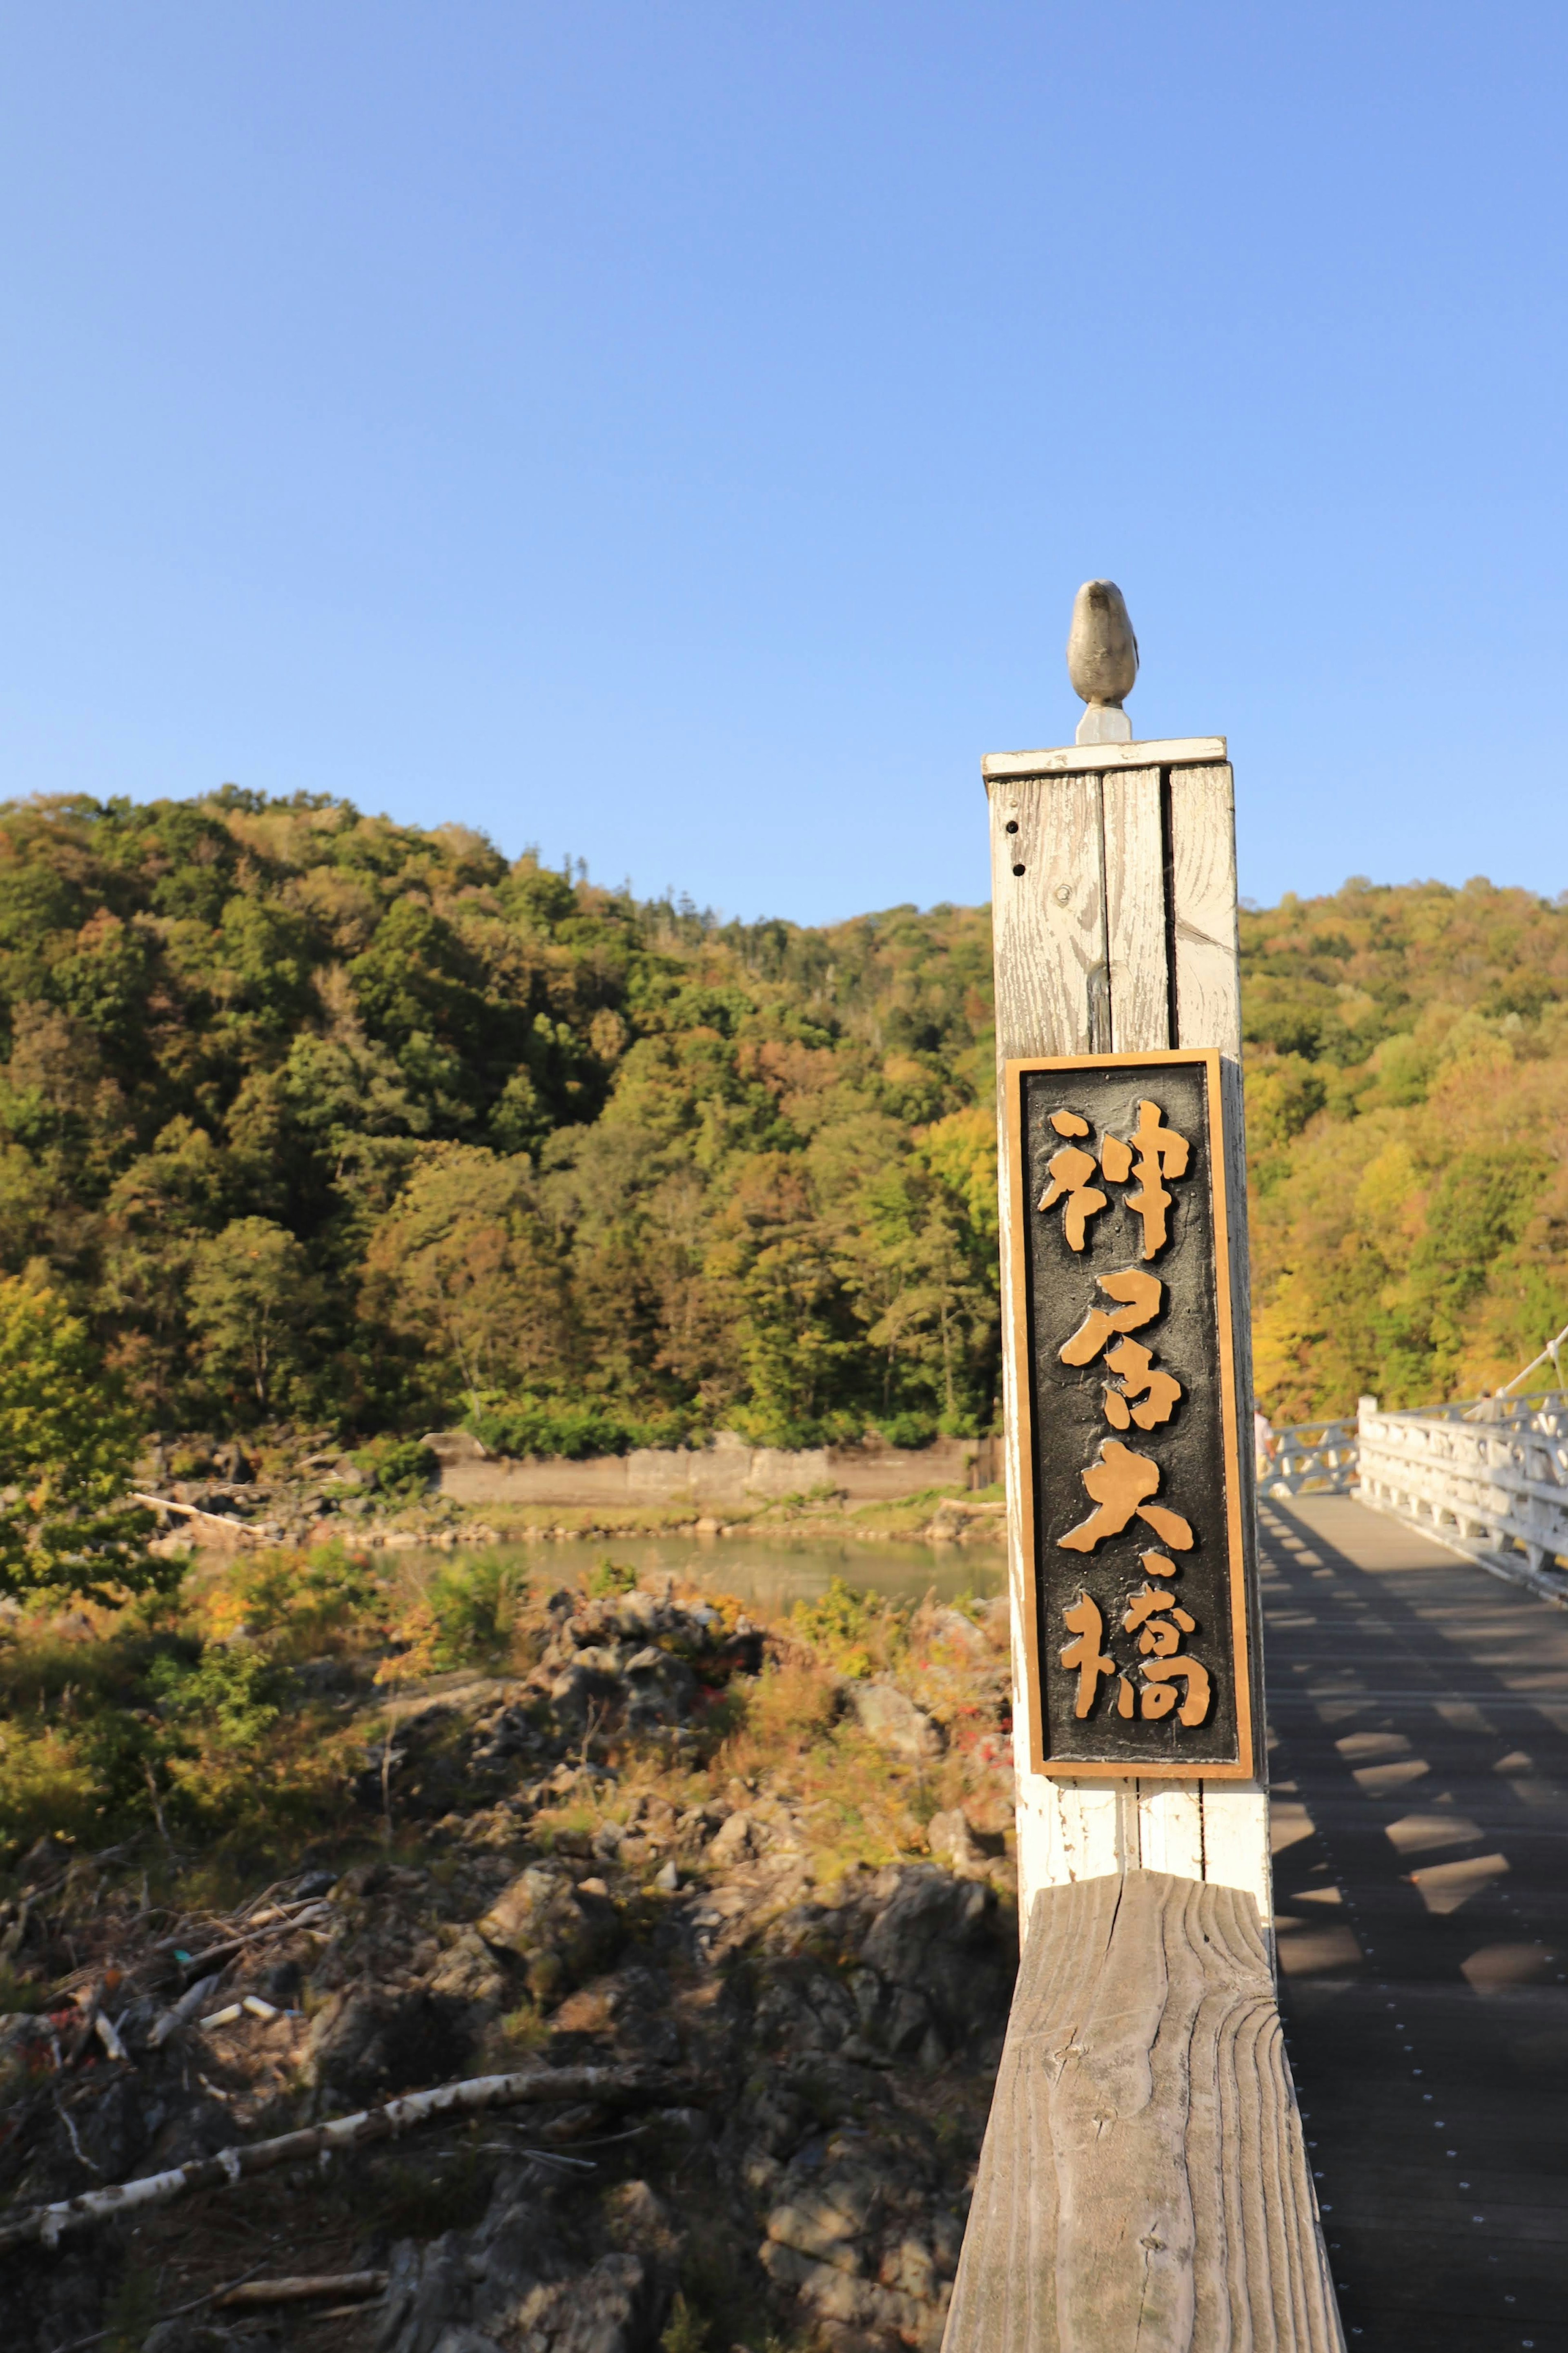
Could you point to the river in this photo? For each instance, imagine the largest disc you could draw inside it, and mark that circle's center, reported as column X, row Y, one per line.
column 770, row 1572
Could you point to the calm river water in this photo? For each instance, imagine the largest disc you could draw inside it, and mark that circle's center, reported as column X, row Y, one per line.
column 770, row 1572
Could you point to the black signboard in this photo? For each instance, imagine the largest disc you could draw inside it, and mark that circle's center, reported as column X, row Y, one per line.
column 1128, row 1411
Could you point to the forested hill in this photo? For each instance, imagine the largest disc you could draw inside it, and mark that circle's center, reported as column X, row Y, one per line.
column 319, row 1117
column 322, row 1117
column 1408, row 1107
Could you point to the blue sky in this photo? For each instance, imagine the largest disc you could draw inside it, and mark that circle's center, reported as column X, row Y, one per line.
column 673, row 433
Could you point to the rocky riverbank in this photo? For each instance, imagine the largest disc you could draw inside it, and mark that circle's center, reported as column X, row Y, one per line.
column 211, row 1493
column 757, row 1873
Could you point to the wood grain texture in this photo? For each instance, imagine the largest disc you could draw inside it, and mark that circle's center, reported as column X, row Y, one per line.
column 1072, row 759
column 1208, row 992
column 1048, row 925
column 1143, row 2188
column 1135, row 910
column 1203, row 885
column 1068, row 1830
column 1048, row 922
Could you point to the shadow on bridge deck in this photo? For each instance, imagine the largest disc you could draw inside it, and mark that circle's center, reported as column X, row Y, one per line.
column 1418, row 1715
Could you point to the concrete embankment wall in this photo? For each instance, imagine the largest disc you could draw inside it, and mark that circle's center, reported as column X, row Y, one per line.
column 725, row 1474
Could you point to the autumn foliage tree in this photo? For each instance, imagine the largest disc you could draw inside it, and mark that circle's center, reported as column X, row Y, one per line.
column 66, row 1445
column 1407, row 1122
column 464, row 1270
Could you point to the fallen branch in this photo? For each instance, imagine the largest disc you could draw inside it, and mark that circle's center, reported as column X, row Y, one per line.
column 240, row 1530
column 108, row 2033
column 309, row 1915
column 190, row 2002
column 299, row 2291
column 541, row 2087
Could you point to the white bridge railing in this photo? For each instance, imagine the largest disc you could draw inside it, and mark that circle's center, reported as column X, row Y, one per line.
column 1310, row 1458
column 1489, row 1478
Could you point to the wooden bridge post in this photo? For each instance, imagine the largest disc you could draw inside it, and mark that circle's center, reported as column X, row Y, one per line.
column 1143, row 2186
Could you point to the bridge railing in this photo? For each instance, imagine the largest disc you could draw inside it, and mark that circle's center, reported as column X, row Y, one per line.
column 1487, row 1478
column 1310, row 1458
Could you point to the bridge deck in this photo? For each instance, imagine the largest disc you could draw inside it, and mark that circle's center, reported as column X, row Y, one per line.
column 1419, row 1713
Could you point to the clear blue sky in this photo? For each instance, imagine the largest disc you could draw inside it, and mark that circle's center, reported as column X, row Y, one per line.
column 674, row 433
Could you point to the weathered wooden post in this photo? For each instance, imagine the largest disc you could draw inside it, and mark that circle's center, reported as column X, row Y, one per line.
column 1143, row 2186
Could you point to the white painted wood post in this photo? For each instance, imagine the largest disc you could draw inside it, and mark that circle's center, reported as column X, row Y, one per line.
column 1144, row 2187
column 1114, row 905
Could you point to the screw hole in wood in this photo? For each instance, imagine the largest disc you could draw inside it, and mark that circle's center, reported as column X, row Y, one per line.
column 1017, row 869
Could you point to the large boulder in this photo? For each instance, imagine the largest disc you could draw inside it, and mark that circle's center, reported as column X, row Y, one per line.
column 893, row 1720
column 559, row 1935
column 663, row 1689
column 941, row 1939
column 511, row 2283
column 366, row 2046
column 953, row 1841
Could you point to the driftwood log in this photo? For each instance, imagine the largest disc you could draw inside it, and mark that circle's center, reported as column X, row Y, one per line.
column 306, row 2289
column 1142, row 2183
column 540, row 2087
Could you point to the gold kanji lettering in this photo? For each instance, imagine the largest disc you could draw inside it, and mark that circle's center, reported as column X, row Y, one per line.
column 1121, row 1483
column 1140, row 1294
column 1159, row 1391
column 1154, row 1612
column 1085, row 1654
column 1169, row 1525
column 1159, row 1693
column 1069, row 1171
column 1160, row 1151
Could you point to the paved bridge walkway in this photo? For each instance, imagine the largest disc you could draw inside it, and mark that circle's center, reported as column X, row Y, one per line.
column 1418, row 1712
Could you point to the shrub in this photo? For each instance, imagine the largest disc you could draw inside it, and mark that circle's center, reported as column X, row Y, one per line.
column 46, row 1786
column 533, row 1425
column 857, row 1632
column 300, row 1604
column 789, row 1706
column 907, row 1430
column 397, row 1468
column 474, row 1605
column 233, row 1690
column 609, row 1577
column 686, row 2331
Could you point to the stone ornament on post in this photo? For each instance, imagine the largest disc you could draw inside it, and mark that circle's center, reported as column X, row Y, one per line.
column 1102, row 661
column 1144, row 2187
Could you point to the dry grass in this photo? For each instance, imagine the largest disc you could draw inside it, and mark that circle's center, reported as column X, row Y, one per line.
column 202, row 1738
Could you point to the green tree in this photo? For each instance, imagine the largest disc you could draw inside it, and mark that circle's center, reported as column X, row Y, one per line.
column 253, row 1302
column 464, row 1270
column 67, row 1446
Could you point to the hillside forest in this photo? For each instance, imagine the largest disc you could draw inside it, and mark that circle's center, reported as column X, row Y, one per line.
column 308, row 1116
